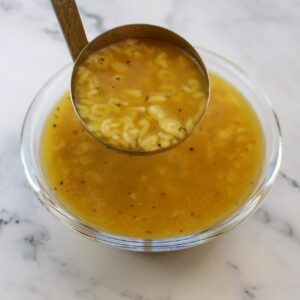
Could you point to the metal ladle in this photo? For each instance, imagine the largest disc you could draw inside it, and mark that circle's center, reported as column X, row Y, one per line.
column 79, row 47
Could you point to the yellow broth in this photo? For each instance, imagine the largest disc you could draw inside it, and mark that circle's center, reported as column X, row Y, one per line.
column 140, row 94
column 186, row 189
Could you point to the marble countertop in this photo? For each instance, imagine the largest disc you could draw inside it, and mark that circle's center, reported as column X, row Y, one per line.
column 260, row 259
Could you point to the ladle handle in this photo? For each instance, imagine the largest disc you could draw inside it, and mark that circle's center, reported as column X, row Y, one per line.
column 70, row 22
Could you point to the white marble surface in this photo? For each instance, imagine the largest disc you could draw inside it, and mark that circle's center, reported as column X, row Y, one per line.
column 260, row 259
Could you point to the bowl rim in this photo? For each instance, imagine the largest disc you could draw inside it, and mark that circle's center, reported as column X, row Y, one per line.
column 157, row 244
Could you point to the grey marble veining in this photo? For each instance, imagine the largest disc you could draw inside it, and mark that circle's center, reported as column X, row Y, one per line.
column 260, row 259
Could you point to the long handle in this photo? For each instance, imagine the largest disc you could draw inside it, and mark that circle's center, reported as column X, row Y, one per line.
column 69, row 19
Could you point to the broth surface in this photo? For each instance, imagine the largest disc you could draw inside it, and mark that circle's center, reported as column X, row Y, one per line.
column 180, row 191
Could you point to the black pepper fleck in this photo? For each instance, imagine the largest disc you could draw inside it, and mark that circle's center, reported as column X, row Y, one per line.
column 192, row 149
column 54, row 125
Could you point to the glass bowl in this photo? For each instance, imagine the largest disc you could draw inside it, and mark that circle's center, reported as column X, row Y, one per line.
column 57, row 86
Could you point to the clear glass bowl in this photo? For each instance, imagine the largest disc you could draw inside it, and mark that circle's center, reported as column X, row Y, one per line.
column 57, row 86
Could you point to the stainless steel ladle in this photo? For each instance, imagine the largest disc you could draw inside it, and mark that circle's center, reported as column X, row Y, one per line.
column 72, row 28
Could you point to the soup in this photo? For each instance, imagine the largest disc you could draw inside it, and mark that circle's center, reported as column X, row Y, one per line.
column 180, row 191
column 140, row 94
